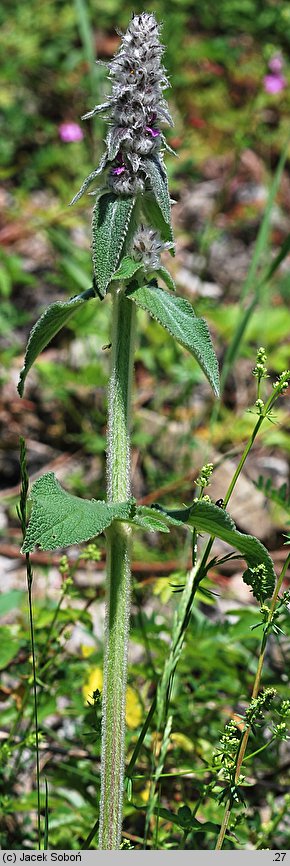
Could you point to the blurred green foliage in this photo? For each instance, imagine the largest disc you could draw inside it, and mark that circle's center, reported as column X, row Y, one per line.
column 47, row 74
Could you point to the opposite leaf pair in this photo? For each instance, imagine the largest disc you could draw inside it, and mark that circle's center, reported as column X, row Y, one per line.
column 175, row 314
column 60, row 519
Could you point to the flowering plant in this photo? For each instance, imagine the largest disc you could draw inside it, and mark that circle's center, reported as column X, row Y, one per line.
column 131, row 226
column 275, row 81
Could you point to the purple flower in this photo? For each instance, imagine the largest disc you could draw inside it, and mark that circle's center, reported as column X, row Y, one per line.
column 274, row 83
column 153, row 132
column 70, row 132
column 276, row 63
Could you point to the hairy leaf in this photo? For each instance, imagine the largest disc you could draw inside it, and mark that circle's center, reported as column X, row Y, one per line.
column 178, row 317
column 155, row 218
column 168, row 279
column 127, row 268
column 158, row 182
column 112, row 215
column 207, row 517
column 150, row 521
column 59, row 518
column 88, row 180
column 50, row 323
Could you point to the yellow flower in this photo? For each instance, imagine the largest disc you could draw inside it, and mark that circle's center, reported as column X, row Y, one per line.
column 87, row 650
column 182, row 741
column 94, row 682
column 144, row 794
column 133, row 706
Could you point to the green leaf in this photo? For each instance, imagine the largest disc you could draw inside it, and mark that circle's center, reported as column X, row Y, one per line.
column 150, row 522
column 50, row 323
column 112, row 215
column 9, row 644
column 185, row 820
column 88, row 180
column 11, row 600
column 280, row 495
column 207, row 517
column 158, row 182
column 59, row 518
column 126, row 270
column 168, row 279
column 178, row 317
column 154, row 217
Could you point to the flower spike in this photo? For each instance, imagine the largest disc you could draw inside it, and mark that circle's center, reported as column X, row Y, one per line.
column 135, row 110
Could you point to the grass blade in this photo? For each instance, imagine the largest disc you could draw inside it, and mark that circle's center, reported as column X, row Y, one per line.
column 252, row 279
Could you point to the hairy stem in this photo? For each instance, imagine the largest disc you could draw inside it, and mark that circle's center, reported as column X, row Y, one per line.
column 118, row 577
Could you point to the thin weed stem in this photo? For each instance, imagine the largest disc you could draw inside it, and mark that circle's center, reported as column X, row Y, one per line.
column 29, row 584
column 23, row 519
column 244, row 741
column 256, row 686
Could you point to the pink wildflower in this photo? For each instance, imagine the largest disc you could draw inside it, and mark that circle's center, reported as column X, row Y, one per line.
column 276, row 63
column 70, row 132
column 274, row 83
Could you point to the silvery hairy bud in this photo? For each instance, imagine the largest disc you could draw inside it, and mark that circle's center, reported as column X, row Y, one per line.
column 147, row 248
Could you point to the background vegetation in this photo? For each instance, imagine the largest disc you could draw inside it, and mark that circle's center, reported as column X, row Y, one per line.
column 230, row 132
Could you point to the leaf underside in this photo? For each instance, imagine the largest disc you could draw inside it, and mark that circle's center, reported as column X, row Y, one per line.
column 178, row 317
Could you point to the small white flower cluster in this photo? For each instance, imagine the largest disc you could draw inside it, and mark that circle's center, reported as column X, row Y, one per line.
column 135, row 109
column 147, row 248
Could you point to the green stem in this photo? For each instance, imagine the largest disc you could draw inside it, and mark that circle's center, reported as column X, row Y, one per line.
column 29, row 584
column 118, row 576
column 256, row 686
column 255, row 692
column 22, row 514
column 249, row 445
